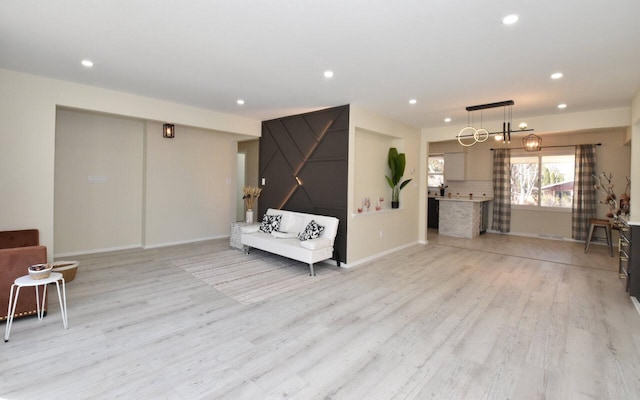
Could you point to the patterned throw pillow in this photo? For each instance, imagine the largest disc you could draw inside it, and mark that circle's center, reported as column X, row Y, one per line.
column 312, row 231
column 270, row 223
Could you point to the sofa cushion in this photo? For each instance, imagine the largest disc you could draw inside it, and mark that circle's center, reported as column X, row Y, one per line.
column 313, row 230
column 291, row 223
column 270, row 223
column 315, row 244
column 283, row 235
column 20, row 238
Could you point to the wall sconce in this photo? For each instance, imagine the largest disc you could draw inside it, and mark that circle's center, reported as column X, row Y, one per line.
column 532, row 143
column 168, row 131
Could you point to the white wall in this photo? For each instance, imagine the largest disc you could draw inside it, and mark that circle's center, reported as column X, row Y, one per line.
column 399, row 227
column 371, row 152
column 151, row 192
column 98, row 182
column 190, row 185
column 28, row 110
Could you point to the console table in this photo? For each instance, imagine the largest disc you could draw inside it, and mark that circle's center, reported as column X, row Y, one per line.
column 236, row 232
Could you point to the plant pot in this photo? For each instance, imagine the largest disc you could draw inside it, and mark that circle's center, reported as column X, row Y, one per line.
column 395, row 204
column 249, row 217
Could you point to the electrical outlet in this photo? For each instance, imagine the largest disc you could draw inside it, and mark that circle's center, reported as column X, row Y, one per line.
column 380, row 233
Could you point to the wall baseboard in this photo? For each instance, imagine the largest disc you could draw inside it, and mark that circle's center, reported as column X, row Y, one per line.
column 93, row 251
column 378, row 255
column 167, row 244
column 534, row 235
column 137, row 246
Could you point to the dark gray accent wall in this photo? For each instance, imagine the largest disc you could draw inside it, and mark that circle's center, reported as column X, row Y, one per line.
column 314, row 148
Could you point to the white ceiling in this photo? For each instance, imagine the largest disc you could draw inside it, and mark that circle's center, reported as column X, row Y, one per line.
column 447, row 54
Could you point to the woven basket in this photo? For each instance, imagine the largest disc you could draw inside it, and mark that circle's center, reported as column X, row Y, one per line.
column 68, row 269
column 40, row 271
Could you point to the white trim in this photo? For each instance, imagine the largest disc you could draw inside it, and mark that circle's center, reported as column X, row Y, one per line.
column 137, row 246
column 538, row 236
column 154, row 246
column 378, row 255
column 93, row 251
column 521, row 207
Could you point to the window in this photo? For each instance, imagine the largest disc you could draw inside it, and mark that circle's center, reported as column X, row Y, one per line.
column 542, row 180
column 435, row 175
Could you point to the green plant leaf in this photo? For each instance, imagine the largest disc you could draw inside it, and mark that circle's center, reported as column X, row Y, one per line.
column 404, row 183
column 390, row 182
column 392, row 161
column 397, row 163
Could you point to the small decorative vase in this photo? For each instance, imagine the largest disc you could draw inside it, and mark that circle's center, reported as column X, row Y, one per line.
column 249, row 217
column 395, row 204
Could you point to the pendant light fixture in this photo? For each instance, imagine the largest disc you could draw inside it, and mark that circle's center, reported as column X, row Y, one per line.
column 470, row 135
column 532, row 143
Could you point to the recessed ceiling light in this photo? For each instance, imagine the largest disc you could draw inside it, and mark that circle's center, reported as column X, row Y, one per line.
column 556, row 75
column 562, row 105
column 413, row 101
column 328, row 74
column 447, row 119
column 240, row 102
column 87, row 63
column 510, row 19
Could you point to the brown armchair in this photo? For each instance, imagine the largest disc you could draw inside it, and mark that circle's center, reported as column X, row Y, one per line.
column 19, row 250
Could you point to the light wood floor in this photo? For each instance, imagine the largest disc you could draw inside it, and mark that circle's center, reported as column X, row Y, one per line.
column 499, row 317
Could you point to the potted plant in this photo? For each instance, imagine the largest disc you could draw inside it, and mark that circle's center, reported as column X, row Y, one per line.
column 397, row 162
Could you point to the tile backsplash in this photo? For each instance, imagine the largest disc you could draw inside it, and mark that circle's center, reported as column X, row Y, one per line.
column 477, row 188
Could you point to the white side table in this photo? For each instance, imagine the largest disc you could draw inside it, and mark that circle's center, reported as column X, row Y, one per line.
column 27, row 281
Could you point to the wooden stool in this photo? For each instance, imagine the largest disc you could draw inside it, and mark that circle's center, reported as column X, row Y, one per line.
column 600, row 223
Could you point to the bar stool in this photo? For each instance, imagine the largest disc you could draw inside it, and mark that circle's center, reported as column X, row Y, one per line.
column 27, row 281
column 604, row 224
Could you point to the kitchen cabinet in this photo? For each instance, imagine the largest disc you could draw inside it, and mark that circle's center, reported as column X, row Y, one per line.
column 455, row 166
column 433, row 211
column 629, row 252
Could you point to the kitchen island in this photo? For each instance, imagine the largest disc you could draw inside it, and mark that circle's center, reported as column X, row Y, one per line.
column 463, row 217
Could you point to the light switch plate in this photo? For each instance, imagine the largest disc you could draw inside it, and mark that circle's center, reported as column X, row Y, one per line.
column 96, row 179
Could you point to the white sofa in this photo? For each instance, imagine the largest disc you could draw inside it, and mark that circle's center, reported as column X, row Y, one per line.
column 285, row 242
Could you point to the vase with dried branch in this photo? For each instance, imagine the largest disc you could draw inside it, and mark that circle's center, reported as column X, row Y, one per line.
column 605, row 185
column 250, row 194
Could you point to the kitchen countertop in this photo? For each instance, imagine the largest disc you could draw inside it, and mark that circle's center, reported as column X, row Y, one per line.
column 463, row 198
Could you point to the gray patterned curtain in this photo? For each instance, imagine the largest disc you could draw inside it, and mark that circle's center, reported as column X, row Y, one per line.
column 501, row 190
column 584, row 193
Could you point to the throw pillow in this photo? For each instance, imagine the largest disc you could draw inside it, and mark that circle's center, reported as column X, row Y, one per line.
column 270, row 223
column 312, row 231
